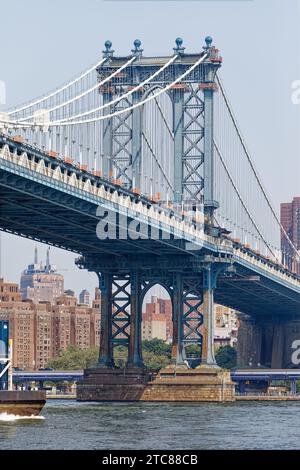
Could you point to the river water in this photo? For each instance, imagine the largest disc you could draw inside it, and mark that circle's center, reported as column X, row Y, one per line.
column 71, row 425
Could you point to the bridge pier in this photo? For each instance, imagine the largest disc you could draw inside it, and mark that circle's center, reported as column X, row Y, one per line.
column 269, row 341
column 278, row 345
column 135, row 358
column 178, row 327
column 209, row 285
column 191, row 287
column 106, row 352
column 249, row 342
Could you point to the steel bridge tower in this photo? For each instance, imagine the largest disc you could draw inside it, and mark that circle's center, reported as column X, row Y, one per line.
column 192, row 104
column 190, row 284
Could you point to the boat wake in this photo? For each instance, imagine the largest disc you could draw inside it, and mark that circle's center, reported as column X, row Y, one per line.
column 5, row 417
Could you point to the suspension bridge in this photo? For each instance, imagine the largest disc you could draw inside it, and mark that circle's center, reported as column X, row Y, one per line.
column 139, row 166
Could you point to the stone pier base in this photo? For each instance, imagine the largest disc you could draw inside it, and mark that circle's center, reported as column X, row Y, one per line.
column 170, row 385
column 105, row 384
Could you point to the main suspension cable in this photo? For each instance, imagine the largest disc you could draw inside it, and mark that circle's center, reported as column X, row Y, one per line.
column 137, row 105
column 56, row 92
column 241, row 199
column 122, row 97
column 90, row 90
column 253, row 167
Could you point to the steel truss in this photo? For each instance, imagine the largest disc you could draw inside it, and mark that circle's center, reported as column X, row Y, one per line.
column 192, row 299
column 125, row 316
column 192, row 130
column 121, row 158
column 193, row 151
column 120, row 305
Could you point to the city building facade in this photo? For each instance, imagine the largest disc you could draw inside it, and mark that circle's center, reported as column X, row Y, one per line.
column 41, row 330
column 157, row 320
column 157, row 323
column 226, row 326
column 41, row 283
column 84, row 297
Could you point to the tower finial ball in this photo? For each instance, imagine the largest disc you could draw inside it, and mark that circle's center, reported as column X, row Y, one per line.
column 208, row 41
column 108, row 45
column 179, row 42
column 137, row 43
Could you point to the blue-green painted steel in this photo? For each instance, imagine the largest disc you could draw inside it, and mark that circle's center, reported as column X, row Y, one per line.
column 178, row 125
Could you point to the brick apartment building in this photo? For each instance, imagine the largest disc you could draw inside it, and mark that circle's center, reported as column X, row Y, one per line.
column 157, row 322
column 39, row 331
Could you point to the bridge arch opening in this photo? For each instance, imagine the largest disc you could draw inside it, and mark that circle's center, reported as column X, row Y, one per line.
column 157, row 325
column 178, row 324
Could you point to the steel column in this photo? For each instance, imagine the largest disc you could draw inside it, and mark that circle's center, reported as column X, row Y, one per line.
column 178, row 321
column 178, row 123
column 293, row 387
column 136, row 141
column 106, row 353
column 209, row 284
column 107, row 135
column 135, row 340
column 278, row 345
column 209, row 203
column 192, row 315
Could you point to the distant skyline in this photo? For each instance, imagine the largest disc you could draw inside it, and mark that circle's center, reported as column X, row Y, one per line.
column 53, row 40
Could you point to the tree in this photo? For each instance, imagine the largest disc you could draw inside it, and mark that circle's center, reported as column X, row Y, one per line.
column 193, row 350
column 226, row 357
column 156, row 353
column 193, row 355
column 158, row 347
column 73, row 358
column 154, row 361
column 120, row 356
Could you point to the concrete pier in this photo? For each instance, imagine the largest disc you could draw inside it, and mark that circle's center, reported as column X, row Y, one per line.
column 269, row 341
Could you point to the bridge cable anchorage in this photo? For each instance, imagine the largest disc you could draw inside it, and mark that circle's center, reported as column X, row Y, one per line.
column 56, row 92
column 137, row 105
column 122, row 97
column 255, row 172
column 90, row 90
column 242, row 201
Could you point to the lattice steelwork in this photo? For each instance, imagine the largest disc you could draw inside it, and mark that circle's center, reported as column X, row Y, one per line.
column 192, row 314
column 121, row 135
column 171, row 163
column 120, row 310
column 193, row 151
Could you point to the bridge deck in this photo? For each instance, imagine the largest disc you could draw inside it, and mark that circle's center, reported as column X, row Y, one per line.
column 50, row 201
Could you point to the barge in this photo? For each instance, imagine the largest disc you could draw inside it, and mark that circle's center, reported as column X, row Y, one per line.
column 22, row 403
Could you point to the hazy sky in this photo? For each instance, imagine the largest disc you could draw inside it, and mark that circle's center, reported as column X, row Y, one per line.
column 46, row 42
